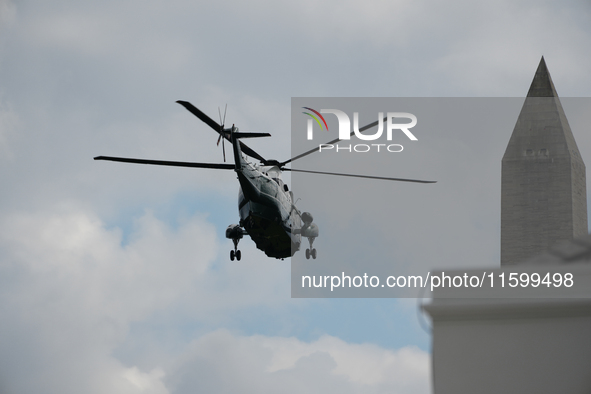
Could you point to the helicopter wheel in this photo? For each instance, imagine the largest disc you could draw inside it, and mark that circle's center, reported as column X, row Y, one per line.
column 313, row 253
column 238, row 255
column 232, row 255
column 307, row 254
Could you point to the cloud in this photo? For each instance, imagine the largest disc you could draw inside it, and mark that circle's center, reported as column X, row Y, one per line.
column 506, row 42
column 148, row 383
column 9, row 122
column 70, row 291
column 224, row 362
column 7, row 13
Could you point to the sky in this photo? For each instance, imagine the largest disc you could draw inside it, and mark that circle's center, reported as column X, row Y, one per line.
column 116, row 278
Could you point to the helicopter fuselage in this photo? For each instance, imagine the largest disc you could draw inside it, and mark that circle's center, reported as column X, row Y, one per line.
column 266, row 210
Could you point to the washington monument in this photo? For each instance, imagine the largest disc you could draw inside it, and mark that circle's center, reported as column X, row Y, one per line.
column 543, row 191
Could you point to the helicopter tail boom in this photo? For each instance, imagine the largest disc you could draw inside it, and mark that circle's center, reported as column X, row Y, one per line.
column 235, row 135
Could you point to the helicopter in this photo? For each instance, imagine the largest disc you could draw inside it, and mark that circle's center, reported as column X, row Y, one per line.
column 266, row 207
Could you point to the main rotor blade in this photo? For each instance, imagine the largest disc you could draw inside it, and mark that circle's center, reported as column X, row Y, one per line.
column 197, row 112
column 369, row 126
column 213, row 124
column 249, row 151
column 360, row 176
column 168, row 163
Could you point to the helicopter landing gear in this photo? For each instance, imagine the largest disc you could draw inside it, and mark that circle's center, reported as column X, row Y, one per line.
column 235, row 253
column 235, row 233
column 311, row 251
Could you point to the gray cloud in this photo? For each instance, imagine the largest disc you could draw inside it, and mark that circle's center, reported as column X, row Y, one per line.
column 266, row 364
column 71, row 292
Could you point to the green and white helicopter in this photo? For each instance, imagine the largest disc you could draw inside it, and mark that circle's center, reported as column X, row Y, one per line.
column 265, row 204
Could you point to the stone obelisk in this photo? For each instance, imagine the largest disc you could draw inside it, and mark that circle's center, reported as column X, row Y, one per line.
column 543, row 192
